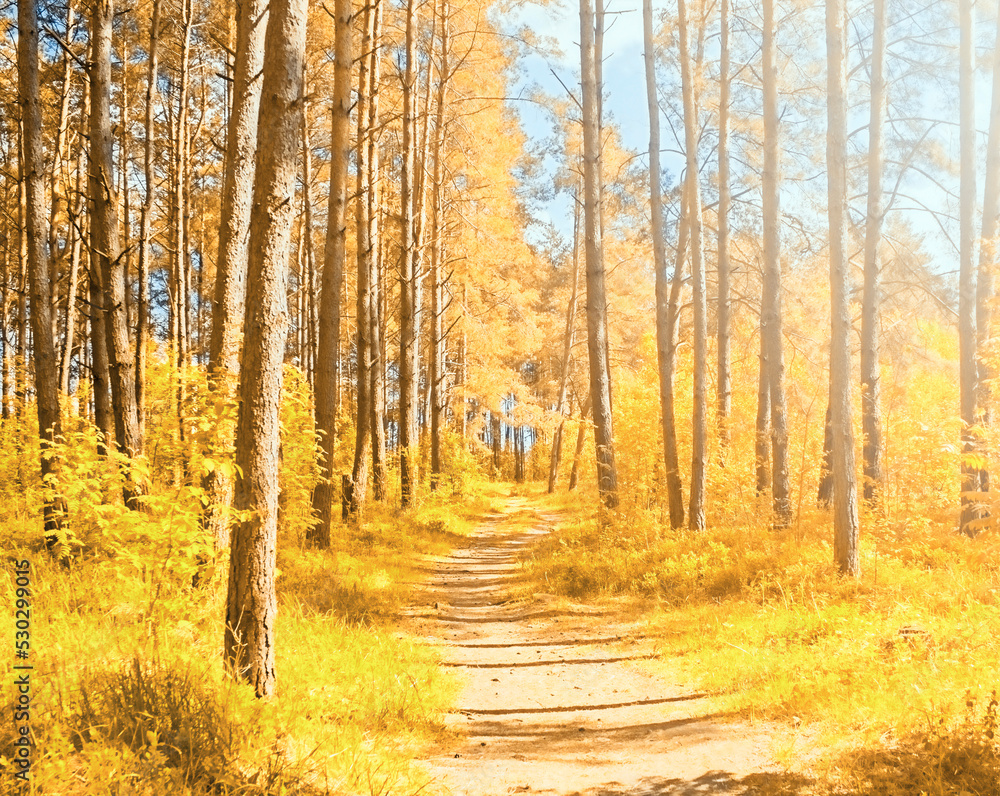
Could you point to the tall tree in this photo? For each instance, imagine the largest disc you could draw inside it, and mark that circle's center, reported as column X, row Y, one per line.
column 46, row 366
column 986, row 276
column 106, row 249
column 334, row 257
column 845, row 503
column 724, row 398
column 234, row 225
column 773, row 359
column 967, row 273
column 667, row 291
column 251, row 605
column 699, row 422
column 871, row 415
column 597, row 308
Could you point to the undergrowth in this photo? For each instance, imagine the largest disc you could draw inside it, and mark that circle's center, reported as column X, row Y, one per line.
column 896, row 670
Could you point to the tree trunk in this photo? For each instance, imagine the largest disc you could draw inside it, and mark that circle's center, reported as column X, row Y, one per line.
column 231, row 270
column 845, row 498
column 724, row 389
column 251, row 605
column 667, row 292
column 408, row 278
column 581, row 436
column 871, row 413
column 600, row 376
column 377, row 362
column 365, row 350
column 699, row 422
column 986, row 278
column 328, row 364
column 77, row 220
column 46, row 367
column 436, row 376
column 107, row 252
column 770, row 320
column 567, row 349
column 146, row 218
column 762, row 438
column 967, row 274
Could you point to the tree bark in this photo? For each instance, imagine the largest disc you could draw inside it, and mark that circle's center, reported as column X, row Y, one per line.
column 724, row 389
column 146, row 217
column 667, row 291
column 107, row 251
column 408, row 278
column 770, row 320
column 967, row 274
column 845, row 499
column 251, row 605
column 46, row 367
column 231, row 269
column 377, row 364
column 334, row 257
column 581, row 436
column 871, row 413
column 567, row 348
column 600, row 376
column 699, row 422
column 986, row 277
column 437, row 373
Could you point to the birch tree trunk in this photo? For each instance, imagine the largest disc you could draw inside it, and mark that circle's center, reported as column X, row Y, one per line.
column 845, row 499
column 251, row 606
column 699, row 423
column 328, row 361
column 46, row 366
column 600, row 377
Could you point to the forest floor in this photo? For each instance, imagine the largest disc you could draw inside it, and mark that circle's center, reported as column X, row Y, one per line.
column 557, row 697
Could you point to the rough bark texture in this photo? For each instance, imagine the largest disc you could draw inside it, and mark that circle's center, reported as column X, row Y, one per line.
column 699, row 421
column 104, row 220
column 597, row 321
column 231, row 270
column 770, row 319
column 251, row 606
column 845, row 499
column 871, row 413
column 36, row 228
column 334, row 257
column 967, row 274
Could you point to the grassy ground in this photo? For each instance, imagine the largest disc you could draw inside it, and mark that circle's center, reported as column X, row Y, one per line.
column 128, row 690
column 894, row 674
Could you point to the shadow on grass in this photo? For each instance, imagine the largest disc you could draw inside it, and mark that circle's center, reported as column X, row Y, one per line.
column 712, row 782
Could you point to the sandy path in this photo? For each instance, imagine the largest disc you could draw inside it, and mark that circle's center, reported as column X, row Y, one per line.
column 555, row 698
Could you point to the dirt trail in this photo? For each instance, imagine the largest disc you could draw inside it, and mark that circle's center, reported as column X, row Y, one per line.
column 556, row 700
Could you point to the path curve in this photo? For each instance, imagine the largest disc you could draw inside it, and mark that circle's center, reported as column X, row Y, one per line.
column 555, row 699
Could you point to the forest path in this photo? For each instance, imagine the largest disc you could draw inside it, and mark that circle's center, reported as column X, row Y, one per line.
column 555, row 699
